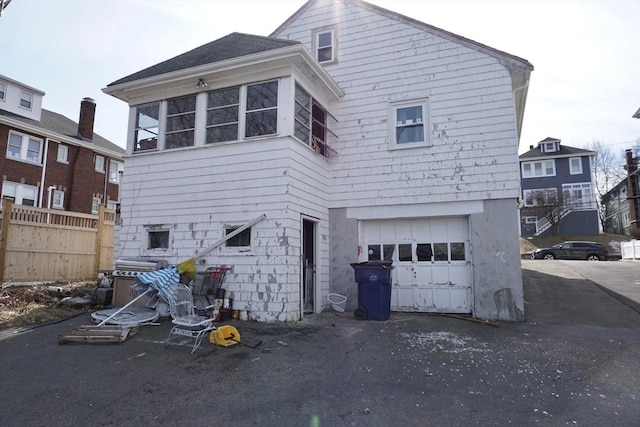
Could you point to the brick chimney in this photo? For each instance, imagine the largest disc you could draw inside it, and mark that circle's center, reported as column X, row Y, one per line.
column 87, row 117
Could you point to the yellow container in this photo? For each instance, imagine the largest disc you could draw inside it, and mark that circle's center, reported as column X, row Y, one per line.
column 225, row 336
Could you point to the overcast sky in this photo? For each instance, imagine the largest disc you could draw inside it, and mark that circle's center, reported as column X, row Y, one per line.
column 586, row 54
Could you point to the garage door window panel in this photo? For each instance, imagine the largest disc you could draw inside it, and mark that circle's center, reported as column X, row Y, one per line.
column 440, row 252
column 424, row 252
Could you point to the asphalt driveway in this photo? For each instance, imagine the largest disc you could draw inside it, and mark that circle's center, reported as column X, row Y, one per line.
column 573, row 362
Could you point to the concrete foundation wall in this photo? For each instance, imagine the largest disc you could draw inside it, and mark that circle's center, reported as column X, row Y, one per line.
column 497, row 275
column 342, row 252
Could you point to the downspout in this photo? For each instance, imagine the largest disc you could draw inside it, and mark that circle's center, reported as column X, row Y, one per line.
column 44, row 171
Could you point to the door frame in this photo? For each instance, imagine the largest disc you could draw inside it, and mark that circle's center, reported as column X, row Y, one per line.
column 316, row 295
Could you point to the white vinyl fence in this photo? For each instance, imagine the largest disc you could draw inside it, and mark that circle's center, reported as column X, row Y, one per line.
column 630, row 249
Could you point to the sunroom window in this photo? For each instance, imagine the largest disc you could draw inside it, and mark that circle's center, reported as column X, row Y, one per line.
column 147, row 125
column 262, row 109
column 223, row 110
column 181, row 121
column 311, row 121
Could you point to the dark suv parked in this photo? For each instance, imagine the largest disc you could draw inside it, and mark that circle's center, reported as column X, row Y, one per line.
column 590, row 251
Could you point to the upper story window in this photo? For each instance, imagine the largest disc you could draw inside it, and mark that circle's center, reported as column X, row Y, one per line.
column 223, row 115
column 180, row 122
column 262, row 109
column 538, row 169
column 63, row 153
column 549, row 147
column 325, row 42
column 575, row 165
column 147, row 127
column 24, row 147
column 409, row 127
column 99, row 163
column 114, row 171
column 26, row 100
column 3, row 91
column 20, row 194
column 311, row 121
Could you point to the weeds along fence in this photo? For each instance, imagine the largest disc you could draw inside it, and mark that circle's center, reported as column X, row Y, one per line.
column 42, row 245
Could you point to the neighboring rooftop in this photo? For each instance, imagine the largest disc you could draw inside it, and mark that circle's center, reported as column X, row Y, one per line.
column 57, row 123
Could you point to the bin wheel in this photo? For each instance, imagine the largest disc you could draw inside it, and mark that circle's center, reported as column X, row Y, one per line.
column 360, row 313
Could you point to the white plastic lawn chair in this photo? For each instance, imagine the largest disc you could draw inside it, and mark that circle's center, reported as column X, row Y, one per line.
column 187, row 322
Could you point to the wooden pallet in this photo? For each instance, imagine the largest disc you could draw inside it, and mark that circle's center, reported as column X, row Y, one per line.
column 91, row 334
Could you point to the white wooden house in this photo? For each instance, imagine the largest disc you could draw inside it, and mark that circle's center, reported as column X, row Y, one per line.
column 352, row 133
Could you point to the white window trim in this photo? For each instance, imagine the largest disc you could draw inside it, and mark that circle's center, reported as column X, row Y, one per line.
column 18, row 190
column 29, row 99
column 156, row 228
column 532, row 190
column 530, row 220
column 99, row 168
column 60, row 203
column 571, row 170
column 3, row 85
column 63, row 149
column 334, row 44
column 393, row 107
column 533, row 168
column 236, row 250
column 95, row 205
column 24, row 148
column 114, row 178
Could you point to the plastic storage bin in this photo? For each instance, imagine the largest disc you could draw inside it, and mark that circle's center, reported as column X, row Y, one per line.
column 374, row 289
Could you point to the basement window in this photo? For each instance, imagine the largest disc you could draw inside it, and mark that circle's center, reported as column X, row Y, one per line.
column 243, row 239
column 157, row 238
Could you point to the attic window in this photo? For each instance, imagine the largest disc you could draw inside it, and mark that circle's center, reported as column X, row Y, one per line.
column 3, row 89
column 26, row 100
column 549, row 147
column 325, row 45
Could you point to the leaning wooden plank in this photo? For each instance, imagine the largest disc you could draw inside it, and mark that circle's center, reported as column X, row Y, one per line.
column 62, row 339
column 471, row 319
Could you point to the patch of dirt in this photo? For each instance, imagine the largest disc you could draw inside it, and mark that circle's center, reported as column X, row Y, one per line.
column 24, row 305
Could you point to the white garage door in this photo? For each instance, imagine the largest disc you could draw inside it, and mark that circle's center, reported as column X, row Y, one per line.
column 431, row 260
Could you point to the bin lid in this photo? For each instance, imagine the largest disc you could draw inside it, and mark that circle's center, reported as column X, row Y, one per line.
column 383, row 264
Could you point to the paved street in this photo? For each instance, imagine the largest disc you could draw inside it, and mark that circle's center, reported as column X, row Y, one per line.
column 573, row 362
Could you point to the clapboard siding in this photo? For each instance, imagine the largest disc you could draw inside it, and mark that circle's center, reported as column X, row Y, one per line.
column 470, row 101
column 194, row 192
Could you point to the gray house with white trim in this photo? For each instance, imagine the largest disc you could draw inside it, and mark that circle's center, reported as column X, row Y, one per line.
column 557, row 183
column 352, row 133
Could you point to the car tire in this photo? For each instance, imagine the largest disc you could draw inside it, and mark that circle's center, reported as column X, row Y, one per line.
column 593, row 257
column 548, row 256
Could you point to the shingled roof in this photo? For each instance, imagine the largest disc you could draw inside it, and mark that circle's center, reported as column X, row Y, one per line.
column 59, row 124
column 234, row 45
column 564, row 151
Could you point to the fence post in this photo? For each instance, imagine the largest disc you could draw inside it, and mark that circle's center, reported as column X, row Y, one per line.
column 99, row 233
column 4, row 236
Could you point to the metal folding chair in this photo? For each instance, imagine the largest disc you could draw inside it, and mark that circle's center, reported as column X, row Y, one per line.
column 187, row 322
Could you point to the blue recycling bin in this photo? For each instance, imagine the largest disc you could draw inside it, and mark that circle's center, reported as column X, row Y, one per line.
column 374, row 290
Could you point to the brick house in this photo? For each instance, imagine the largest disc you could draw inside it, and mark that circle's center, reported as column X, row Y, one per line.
column 49, row 160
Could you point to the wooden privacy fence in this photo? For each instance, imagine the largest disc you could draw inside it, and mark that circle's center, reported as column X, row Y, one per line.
column 41, row 245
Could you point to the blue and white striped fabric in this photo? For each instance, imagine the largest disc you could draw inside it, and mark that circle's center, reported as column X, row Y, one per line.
column 164, row 281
